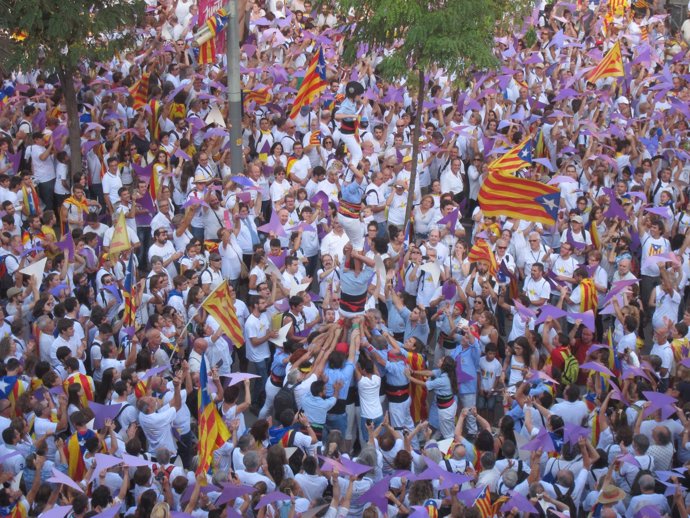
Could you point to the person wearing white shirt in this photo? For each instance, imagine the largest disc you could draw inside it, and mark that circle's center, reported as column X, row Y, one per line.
column 572, row 410
column 663, row 350
column 334, row 242
column 249, row 475
column 665, row 300
column 111, row 184
column 257, row 333
column 451, row 178
column 156, row 419
column 164, row 249
column 301, row 167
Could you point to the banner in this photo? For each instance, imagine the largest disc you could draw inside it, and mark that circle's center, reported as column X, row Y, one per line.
column 206, row 9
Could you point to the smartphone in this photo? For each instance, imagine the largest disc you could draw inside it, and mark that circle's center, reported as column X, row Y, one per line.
column 220, row 363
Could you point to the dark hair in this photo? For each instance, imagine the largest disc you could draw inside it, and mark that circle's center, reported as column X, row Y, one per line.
column 448, row 366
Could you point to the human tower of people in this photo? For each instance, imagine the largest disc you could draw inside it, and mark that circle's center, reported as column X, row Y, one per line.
column 289, row 340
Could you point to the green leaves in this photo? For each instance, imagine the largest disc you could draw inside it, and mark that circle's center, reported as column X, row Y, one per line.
column 63, row 32
column 453, row 34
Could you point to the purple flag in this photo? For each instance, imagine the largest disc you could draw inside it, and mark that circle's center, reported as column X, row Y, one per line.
column 66, row 244
column 273, row 226
column 542, row 441
column 659, row 402
column 231, row 491
column 547, row 310
column 452, row 219
column 597, row 367
column 103, row 412
column 269, row 498
column 145, row 203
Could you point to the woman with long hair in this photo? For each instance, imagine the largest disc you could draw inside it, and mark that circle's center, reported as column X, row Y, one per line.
column 106, row 386
column 444, row 383
column 506, row 432
column 518, row 362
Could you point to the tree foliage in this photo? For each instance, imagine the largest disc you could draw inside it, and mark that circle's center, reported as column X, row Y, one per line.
column 417, row 35
column 61, row 33
column 456, row 35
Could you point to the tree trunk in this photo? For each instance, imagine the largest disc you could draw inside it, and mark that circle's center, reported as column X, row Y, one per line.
column 67, row 80
column 415, row 149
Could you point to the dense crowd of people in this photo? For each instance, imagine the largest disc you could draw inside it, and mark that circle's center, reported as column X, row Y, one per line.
column 383, row 368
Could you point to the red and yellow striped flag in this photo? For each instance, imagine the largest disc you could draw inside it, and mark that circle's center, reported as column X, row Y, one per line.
column 483, row 503
column 129, row 295
column 259, row 96
column 212, row 430
column 76, row 469
column 215, row 23
column 590, row 298
column 288, row 167
column 506, row 195
column 140, row 91
column 313, row 84
column 86, row 383
column 418, row 393
column 220, row 306
column 515, row 159
column 611, row 65
column 482, row 252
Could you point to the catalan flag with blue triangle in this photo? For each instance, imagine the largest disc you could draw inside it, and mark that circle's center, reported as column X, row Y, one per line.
column 212, row 430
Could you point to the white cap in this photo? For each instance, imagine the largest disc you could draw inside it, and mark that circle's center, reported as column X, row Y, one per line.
column 622, row 100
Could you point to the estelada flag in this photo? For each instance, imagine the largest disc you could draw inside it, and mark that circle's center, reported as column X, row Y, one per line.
column 515, row 159
column 313, row 84
column 212, row 430
column 611, row 65
column 506, row 195
column 220, row 306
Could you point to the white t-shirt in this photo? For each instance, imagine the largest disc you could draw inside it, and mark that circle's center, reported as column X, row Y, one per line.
column 369, row 402
column 44, row 170
column 573, row 413
column 157, row 427
column 256, row 327
column 489, row 370
column 111, row 185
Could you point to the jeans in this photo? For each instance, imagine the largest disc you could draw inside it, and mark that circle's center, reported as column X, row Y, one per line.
column 364, row 433
column 185, row 449
column 383, row 229
column 144, row 235
column 46, row 191
column 469, row 401
column 198, row 233
column 260, row 368
column 335, row 422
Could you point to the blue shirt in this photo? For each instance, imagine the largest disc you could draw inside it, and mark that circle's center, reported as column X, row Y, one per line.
column 396, row 320
column 316, row 408
column 468, row 361
column 355, row 284
column 440, row 384
column 347, row 107
column 352, row 192
column 279, row 365
column 395, row 373
column 345, row 375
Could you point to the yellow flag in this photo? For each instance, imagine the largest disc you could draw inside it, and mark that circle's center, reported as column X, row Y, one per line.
column 120, row 241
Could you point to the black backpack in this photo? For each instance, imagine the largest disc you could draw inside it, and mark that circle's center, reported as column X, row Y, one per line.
column 567, row 499
column 285, row 398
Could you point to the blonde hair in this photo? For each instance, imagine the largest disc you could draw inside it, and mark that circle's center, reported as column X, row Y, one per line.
column 160, row 510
